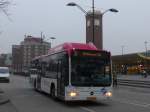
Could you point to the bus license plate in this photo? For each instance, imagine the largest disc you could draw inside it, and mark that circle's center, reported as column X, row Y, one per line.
column 91, row 98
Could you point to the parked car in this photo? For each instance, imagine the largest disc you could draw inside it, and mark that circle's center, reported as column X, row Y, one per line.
column 4, row 75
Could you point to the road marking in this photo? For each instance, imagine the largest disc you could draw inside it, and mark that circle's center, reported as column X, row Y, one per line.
column 87, row 109
column 22, row 96
column 133, row 103
column 147, row 105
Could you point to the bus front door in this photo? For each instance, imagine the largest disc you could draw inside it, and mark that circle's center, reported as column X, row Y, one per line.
column 60, row 81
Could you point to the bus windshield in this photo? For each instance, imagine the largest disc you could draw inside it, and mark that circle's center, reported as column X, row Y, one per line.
column 90, row 71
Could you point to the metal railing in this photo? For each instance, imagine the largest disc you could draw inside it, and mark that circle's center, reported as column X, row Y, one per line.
column 134, row 83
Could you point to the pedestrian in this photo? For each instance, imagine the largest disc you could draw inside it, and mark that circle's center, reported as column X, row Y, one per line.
column 144, row 73
column 114, row 79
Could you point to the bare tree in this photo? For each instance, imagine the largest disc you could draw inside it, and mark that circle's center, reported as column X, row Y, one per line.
column 4, row 4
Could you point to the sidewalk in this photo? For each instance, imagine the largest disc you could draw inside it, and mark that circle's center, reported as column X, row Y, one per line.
column 3, row 98
column 133, row 77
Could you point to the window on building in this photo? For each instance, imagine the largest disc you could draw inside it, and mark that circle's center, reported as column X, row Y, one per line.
column 88, row 23
column 96, row 22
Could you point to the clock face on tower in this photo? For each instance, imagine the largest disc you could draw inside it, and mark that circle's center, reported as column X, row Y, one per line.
column 88, row 23
column 96, row 22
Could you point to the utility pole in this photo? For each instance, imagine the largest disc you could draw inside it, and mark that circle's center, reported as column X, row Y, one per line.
column 93, row 22
column 145, row 47
column 146, row 61
column 122, row 49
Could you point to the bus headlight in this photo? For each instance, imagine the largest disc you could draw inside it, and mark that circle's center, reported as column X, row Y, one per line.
column 72, row 94
column 108, row 94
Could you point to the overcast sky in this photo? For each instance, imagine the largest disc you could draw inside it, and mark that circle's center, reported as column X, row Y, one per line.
column 130, row 27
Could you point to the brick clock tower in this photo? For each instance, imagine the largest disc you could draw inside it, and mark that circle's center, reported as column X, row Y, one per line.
column 98, row 33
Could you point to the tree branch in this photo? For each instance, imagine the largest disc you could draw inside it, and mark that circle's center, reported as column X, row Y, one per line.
column 4, row 4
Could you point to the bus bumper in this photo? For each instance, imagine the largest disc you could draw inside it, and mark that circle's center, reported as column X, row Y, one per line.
column 88, row 98
column 86, row 94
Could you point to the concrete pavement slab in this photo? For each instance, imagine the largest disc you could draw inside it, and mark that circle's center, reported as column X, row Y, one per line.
column 8, row 107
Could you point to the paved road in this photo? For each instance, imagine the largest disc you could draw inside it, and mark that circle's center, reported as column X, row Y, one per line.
column 24, row 99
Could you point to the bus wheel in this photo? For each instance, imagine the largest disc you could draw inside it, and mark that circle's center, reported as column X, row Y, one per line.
column 53, row 92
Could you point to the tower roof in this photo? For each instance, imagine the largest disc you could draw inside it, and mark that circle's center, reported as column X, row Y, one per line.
column 96, row 12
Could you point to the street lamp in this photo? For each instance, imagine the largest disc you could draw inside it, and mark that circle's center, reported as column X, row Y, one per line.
column 111, row 10
column 122, row 49
column 146, row 62
column 93, row 21
column 52, row 38
column 78, row 6
column 85, row 12
column 102, row 14
column 145, row 47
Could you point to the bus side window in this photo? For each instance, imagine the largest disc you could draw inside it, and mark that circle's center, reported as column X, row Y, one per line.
column 47, row 67
column 43, row 68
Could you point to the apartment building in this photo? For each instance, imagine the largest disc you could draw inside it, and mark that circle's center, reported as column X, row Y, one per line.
column 28, row 49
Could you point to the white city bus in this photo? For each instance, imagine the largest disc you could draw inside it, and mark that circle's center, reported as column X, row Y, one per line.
column 72, row 72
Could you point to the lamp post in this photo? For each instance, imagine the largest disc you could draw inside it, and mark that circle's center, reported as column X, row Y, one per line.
column 52, row 38
column 123, row 65
column 102, row 14
column 122, row 49
column 146, row 62
column 145, row 48
column 93, row 21
column 93, row 15
column 110, row 10
column 78, row 6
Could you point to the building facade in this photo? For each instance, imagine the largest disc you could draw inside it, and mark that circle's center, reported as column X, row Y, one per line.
column 98, row 39
column 17, row 59
column 133, row 63
column 28, row 49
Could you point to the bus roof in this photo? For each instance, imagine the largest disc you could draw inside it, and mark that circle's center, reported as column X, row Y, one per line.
column 70, row 46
